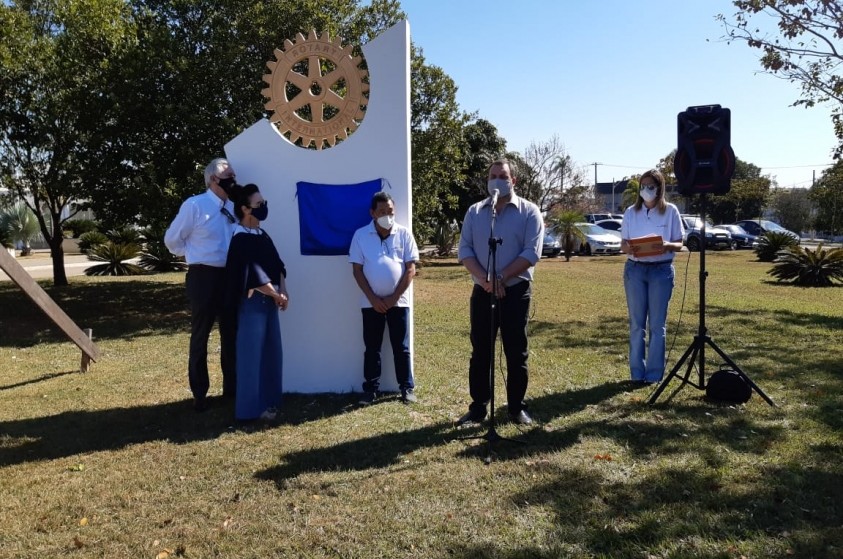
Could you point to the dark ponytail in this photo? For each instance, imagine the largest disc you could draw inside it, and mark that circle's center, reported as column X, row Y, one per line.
column 240, row 195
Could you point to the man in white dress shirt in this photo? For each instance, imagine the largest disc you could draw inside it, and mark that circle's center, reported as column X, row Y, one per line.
column 201, row 233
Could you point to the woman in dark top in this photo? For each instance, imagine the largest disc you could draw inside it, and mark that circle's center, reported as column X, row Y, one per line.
column 256, row 287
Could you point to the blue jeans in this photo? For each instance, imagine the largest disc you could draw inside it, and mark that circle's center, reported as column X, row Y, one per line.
column 648, row 289
column 397, row 319
column 259, row 357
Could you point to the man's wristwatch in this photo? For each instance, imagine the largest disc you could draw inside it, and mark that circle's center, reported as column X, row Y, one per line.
column 500, row 278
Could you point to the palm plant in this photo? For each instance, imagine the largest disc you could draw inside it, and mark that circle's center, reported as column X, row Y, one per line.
column 5, row 237
column 91, row 239
column 564, row 224
column 125, row 236
column 809, row 268
column 155, row 256
column 771, row 243
column 114, row 256
column 21, row 226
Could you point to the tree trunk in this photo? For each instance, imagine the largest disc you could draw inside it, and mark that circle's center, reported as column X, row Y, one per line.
column 57, row 255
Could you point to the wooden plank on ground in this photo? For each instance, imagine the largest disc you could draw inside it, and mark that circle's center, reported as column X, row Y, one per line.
column 40, row 297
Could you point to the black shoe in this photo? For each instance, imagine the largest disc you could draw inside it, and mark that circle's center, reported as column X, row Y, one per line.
column 408, row 396
column 200, row 403
column 521, row 418
column 472, row 416
column 368, row 398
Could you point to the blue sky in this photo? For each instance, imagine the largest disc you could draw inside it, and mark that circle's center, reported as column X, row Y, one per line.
column 610, row 76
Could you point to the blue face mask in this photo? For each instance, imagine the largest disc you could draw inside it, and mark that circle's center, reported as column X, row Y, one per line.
column 260, row 212
column 503, row 186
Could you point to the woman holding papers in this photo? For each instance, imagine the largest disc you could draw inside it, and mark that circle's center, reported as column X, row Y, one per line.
column 650, row 234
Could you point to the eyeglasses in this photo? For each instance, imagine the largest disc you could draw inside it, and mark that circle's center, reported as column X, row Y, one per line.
column 224, row 211
column 649, row 187
column 261, row 204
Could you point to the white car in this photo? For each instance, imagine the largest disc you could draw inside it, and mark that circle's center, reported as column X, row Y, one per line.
column 611, row 225
column 597, row 240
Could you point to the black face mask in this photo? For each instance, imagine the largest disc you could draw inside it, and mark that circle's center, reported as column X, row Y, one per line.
column 261, row 212
column 227, row 184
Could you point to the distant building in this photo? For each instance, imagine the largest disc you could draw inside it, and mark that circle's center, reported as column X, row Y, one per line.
column 609, row 196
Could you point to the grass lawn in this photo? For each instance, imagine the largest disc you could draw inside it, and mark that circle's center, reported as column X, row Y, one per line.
column 115, row 463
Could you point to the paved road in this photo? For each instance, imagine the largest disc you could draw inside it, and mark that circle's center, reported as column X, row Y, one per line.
column 40, row 266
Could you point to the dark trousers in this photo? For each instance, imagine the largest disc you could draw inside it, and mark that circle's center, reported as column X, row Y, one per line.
column 205, row 285
column 397, row 319
column 512, row 314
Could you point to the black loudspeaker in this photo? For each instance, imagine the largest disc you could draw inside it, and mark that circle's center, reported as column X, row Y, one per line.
column 704, row 161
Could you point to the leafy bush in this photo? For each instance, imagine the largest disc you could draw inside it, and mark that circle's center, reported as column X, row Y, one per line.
column 78, row 227
column 771, row 243
column 809, row 268
column 114, row 256
column 90, row 240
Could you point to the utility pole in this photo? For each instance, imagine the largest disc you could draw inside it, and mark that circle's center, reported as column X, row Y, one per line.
column 595, row 176
column 613, row 197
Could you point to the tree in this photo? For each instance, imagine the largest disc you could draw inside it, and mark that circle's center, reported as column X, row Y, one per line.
column 665, row 167
column 791, row 208
column 827, row 196
column 807, row 50
column 630, row 195
column 55, row 56
column 564, row 224
column 745, row 200
column 438, row 147
column 549, row 172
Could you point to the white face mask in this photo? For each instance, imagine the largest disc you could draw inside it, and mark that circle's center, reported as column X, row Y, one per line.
column 647, row 194
column 503, row 186
column 386, row 221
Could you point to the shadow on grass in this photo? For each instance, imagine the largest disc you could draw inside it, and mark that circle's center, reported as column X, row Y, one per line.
column 787, row 511
column 112, row 309
column 42, row 378
column 379, row 451
column 75, row 432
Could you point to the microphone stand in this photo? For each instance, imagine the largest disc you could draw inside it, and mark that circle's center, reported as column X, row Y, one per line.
column 492, row 435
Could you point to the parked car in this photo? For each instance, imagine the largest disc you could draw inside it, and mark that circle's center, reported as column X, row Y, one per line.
column 611, row 225
column 597, row 240
column 758, row 227
column 552, row 246
column 715, row 237
column 594, row 218
column 740, row 238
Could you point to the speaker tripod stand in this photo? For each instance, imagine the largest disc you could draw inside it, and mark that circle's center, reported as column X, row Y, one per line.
column 696, row 351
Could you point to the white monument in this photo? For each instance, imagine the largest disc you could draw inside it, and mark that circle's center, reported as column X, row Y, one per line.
column 322, row 332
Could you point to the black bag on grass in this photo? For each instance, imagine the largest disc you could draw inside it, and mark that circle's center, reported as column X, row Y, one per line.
column 729, row 386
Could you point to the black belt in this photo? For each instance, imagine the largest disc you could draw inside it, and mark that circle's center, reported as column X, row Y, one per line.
column 204, row 266
column 657, row 262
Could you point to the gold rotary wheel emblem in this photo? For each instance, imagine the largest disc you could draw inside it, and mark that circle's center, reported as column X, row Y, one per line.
column 316, row 90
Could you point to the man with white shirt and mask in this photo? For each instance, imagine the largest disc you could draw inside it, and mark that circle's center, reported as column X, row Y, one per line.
column 520, row 227
column 201, row 232
column 383, row 256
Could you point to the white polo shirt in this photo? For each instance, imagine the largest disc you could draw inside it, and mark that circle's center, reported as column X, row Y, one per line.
column 650, row 222
column 384, row 261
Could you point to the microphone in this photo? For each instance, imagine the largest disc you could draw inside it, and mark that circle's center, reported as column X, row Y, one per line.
column 494, row 197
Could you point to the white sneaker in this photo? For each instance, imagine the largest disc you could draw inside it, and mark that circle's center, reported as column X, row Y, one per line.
column 270, row 414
